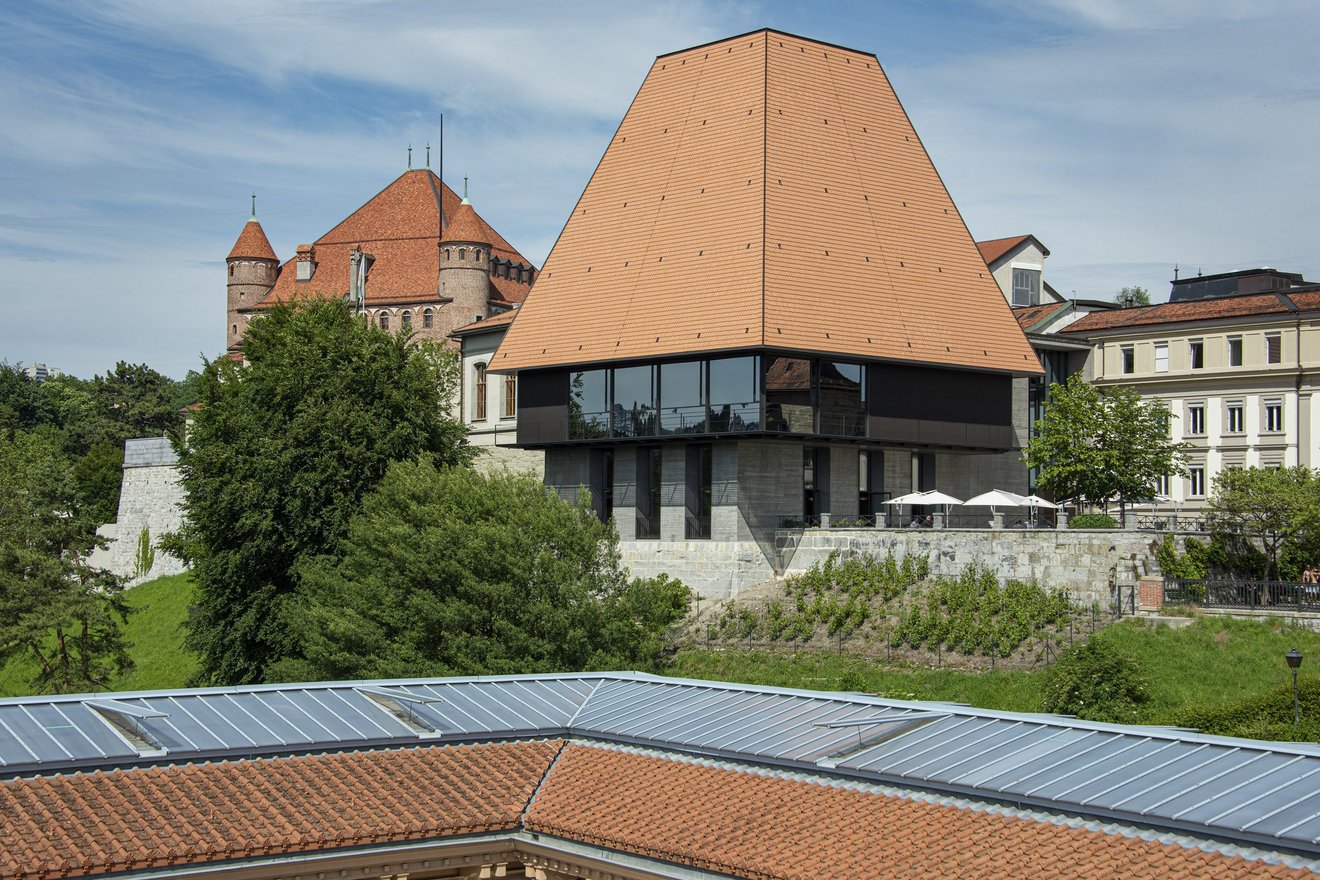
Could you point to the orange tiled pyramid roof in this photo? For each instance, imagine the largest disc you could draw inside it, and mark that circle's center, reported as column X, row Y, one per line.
column 401, row 227
column 252, row 243
column 758, row 190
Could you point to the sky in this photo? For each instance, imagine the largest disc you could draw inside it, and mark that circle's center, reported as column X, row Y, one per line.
column 1129, row 136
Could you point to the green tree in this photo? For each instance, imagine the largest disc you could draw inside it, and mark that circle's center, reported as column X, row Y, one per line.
column 1137, row 296
column 449, row 572
column 1280, row 507
column 97, row 477
column 54, row 607
column 137, row 402
column 281, row 454
column 1099, row 447
column 22, row 405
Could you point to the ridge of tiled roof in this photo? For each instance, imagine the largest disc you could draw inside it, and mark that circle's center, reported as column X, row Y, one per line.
column 995, row 248
column 125, row 820
column 401, row 227
column 503, row 319
column 1244, row 305
column 252, row 243
column 753, row 186
column 1028, row 317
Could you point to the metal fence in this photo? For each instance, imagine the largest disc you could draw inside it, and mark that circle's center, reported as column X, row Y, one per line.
column 1284, row 596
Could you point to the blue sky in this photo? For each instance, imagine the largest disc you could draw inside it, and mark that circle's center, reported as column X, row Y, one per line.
column 1129, row 136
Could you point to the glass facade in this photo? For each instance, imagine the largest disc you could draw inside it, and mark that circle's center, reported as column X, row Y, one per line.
column 589, row 404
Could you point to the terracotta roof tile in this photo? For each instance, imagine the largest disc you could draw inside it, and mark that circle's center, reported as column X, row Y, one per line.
column 756, row 189
column 1030, row 316
column 132, row 819
column 504, row 319
column 465, row 225
column 400, row 226
column 1190, row 310
column 252, row 243
column 994, row 249
column 760, row 826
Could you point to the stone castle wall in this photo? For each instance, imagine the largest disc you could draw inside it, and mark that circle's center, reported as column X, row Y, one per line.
column 151, row 499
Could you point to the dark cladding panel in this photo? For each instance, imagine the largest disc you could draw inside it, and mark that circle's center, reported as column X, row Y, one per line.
column 928, row 394
column 542, row 406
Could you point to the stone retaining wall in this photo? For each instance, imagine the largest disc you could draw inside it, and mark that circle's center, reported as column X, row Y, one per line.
column 1085, row 562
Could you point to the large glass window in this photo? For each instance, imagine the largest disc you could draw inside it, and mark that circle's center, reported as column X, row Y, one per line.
column 842, row 399
column 789, row 404
column 634, row 401
column 1161, row 357
column 510, row 396
column 1273, row 348
column 479, row 392
column 683, row 398
column 734, row 395
column 588, row 405
column 1196, row 353
column 1235, row 351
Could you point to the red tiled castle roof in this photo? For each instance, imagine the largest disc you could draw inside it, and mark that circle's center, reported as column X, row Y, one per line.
column 401, row 227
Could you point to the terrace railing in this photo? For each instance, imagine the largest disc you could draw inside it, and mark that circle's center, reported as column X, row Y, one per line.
column 1283, row 596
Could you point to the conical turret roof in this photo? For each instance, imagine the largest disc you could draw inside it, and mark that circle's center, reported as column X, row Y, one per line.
column 252, row 243
column 766, row 191
column 465, row 225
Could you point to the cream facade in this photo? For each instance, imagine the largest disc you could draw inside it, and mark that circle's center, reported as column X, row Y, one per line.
column 1239, row 388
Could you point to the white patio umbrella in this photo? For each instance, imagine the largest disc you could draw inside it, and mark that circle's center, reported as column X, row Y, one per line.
column 1035, row 501
column 910, row 498
column 996, row 498
column 935, row 496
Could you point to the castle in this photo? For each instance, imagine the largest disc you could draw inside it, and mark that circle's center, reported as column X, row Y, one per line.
column 415, row 256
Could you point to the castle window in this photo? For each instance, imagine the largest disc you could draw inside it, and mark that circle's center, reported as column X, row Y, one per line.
column 510, row 396
column 428, row 318
column 477, row 253
column 446, row 253
column 462, row 253
column 233, row 329
column 384, row 320
column 231, row 270
column 406, row 319
column 479, row 394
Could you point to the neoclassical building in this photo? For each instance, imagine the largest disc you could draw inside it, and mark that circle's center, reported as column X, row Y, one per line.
column 415, row 257
column 765, row 309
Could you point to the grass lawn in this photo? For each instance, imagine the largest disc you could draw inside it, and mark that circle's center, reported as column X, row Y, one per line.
column 1214, row 662
column 155, row 633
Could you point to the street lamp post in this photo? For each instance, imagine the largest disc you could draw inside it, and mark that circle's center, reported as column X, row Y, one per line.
column 1294, row 658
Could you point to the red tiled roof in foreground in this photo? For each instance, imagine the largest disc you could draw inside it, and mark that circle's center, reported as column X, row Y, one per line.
column 70, row 826
column 763, row 827
column 735, row 821
column 252, row 243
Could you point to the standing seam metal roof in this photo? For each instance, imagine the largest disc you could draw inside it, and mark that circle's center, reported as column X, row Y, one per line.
column 1240, row 790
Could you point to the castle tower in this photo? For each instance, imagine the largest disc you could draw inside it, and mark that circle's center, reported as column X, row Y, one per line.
column 252, row 269
column 465, row 267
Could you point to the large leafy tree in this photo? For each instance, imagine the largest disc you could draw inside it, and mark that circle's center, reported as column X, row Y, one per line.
column 55, row 608
column 1137, row 296
column 1280, row 507
column 1099, row 447
column 449, row 572
column 279, row 457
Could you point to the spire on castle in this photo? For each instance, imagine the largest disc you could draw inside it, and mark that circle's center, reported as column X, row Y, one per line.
column 252, row 243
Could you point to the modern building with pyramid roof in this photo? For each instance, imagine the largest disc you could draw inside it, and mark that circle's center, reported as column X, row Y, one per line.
column 766, row 307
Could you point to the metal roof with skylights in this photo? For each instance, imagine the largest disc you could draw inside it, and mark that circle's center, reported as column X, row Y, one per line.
column 1247, row 792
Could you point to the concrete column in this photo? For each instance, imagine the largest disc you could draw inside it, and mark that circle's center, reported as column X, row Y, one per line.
column 724, row 493
column 843, row 477
column 673, row 467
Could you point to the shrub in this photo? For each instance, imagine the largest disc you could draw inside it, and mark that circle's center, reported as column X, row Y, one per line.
column 1097, row 682
column 1267, row 715
column 1093, row 521
column 1184, row 566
